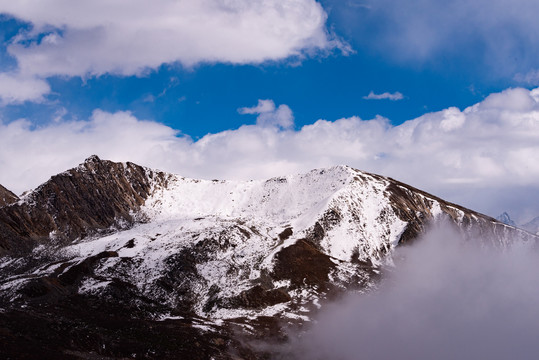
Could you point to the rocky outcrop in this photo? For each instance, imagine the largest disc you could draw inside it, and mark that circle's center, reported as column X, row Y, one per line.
column 7, row 197
column 95, row 196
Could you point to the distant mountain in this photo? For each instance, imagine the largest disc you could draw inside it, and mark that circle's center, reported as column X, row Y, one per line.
column 114, row 259
column 506, row 219
column 532, row 226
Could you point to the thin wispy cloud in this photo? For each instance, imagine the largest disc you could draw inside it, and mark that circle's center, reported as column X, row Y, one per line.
column 530, row 78
column 384, row 96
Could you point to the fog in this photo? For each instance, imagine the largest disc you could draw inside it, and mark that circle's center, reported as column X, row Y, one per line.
column 445, row 298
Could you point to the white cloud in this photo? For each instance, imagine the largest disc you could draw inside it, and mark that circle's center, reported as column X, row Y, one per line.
column 484, row 157
column 269, row 115
column 384, row 96
column 94, row 37
column 15, row 89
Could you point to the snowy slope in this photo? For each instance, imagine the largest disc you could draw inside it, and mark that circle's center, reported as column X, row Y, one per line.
column 231, row 249
column 295, row 202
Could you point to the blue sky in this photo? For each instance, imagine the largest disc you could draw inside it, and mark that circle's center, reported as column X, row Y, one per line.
column 70, row 72
column 205, row 99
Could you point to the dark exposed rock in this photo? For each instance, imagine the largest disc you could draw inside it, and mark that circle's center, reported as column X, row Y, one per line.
column 256, row 297
column 414, row 207
column 76, row 272
column 89, row 328
column 328, row 221
column 285, row 234
column 94, row 196
column 7, row 197
column 302, row 263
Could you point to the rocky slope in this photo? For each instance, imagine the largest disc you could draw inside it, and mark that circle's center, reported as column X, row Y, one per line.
column 7, row 197
column 201, row 260
column 97, row 195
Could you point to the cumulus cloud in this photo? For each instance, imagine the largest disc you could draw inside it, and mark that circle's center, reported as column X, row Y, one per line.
column 384, row 96
column 31, row 154
column 94, row 37
column 483, row 157
column 15, row 89
column 269, row 115
column 444, row 299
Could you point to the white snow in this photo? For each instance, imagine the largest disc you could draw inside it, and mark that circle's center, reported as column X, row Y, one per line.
column 92, row 286
column 352, row 206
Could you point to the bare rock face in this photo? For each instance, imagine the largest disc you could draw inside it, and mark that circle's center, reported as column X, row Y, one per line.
column 7, row 197
column 94, row 196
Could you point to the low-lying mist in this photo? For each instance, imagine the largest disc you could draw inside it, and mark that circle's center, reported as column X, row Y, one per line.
column 446, row 298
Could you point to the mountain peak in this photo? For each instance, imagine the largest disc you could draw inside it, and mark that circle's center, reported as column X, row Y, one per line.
column 92, row 159
column 506, row 219
column 212, row 254
column 532, row 226
column 7, row 197
column 93, row 197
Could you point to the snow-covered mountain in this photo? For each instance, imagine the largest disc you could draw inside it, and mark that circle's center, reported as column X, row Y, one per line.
column 209, row 257
column 532, row 226
column 506, row 219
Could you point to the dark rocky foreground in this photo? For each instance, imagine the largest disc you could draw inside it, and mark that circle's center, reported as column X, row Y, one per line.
column 83, row 328
column 56, row 322
column 44, row 314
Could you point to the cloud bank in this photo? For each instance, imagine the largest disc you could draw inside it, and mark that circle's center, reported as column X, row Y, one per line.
column 126, row 37
column 445, row 299
column 483, row 157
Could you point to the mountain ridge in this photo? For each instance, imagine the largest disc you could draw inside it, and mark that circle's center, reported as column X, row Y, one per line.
column 532, row 226
column 218, row 254
column 93, row 196
column 7, row 197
